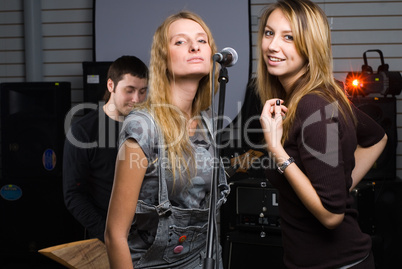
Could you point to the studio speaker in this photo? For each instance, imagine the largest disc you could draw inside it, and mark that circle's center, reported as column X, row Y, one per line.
column 379, row 204
column 32, row 128
column 33, row 214
column 387, row 246
column 250, row 226
column 250, row 250
column 383, row 111
column 95, row 79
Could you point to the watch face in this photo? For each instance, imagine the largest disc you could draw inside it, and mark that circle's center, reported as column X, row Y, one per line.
column 285, row 164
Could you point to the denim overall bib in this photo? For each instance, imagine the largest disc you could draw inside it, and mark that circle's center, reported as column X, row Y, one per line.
column 181, row 235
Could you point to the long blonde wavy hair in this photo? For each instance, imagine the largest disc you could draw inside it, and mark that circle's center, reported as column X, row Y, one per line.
column 171, row 120
column 312, row 38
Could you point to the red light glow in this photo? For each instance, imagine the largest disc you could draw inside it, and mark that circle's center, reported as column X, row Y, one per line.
column 355, row 83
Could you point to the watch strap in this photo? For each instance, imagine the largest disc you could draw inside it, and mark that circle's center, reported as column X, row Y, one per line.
column 285, row 164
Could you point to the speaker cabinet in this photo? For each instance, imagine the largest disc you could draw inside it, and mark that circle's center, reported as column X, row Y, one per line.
column 250, row 226
column 95, row 79
column 379, row 204
column 363, row 195
column 383, row 111
column 33, row 214
column 250, row 250
column 252, row 206
column 387, row 247
column 35, row 219
column 32, row 128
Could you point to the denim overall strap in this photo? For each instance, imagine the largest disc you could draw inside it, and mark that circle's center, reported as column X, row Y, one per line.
column 164, row 205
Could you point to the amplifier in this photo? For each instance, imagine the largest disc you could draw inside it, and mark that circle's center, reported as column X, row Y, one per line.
column 257, row 205
column 252, row 206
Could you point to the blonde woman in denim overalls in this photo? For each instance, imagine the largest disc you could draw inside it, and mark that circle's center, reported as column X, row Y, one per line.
column 158, row 212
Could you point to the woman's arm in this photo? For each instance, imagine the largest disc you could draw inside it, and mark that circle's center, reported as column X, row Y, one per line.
column 306, row 192
column 365, row 158
column 131, row 166
column 271, row 121
column 309, row 197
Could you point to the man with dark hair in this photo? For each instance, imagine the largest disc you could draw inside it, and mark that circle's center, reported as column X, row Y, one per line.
column 89, row 158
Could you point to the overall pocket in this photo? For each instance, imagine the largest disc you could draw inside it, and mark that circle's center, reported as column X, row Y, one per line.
column 185, row 241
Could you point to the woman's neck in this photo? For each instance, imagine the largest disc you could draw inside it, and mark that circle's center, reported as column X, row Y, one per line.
column 183, row 93
column 288, row 81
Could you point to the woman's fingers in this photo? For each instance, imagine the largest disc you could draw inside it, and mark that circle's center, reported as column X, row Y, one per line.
column 272, row 113
column 278, row 109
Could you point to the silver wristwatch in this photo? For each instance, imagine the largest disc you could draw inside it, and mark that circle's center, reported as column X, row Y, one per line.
column 281, row 168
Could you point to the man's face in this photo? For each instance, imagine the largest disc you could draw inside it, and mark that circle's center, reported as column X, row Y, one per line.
column 127, row 92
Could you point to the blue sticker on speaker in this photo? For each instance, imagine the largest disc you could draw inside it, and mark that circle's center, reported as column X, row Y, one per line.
column 49, row 159
column 11, row 192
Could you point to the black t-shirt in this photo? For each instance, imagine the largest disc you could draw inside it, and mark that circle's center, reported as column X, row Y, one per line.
column 323, row 143
column 88, row 169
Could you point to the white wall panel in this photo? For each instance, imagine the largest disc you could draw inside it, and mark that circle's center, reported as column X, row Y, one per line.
column 10, row 5
column 356, row 51
column 69, row 4
column 65, row 16
column 65, row 56
column 367, row 37
column 11, row 41
column 11, row 44
column 12, row 70
column 12, row 30
column 63, row 69
column 12, row 57
column 11, row 17
column 353, row 9
column 366, row 23
column 67, row 29
column 67, row 42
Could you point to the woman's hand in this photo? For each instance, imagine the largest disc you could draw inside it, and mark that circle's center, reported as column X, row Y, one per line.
column 271, row 120
column 365, row 158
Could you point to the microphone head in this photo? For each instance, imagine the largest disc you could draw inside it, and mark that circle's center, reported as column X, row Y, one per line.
column 231, row 51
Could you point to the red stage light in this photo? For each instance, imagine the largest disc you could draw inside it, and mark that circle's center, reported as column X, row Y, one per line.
column 355, row 84
column 366, row 82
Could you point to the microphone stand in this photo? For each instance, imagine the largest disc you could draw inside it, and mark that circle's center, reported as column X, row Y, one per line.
column 209, row 260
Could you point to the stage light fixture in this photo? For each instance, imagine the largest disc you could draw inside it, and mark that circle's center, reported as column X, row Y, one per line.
column 366, row 82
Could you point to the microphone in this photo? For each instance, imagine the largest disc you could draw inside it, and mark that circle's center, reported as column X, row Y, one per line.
column 227, row 57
